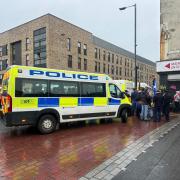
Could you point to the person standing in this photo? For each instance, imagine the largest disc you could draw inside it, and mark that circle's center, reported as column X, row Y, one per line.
column 144, row 105
column 138, row 104
column 134, row 95
column 157, row 100
column 177, row 101
column 166, row 104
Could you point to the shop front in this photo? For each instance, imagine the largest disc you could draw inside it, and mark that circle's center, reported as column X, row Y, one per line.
column 169, row 74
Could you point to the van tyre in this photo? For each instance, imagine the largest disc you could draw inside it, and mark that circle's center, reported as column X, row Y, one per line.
column 47, row 124
column 124, row 115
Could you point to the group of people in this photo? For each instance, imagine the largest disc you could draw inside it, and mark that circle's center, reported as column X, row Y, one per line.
column 147, row 106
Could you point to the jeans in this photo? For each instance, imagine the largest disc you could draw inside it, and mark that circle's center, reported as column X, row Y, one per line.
column 133, row 108
column 157, row 114
column 144, row 112
column 138, row 109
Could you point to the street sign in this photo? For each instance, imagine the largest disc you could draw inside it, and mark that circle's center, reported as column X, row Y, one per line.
column 167, row 66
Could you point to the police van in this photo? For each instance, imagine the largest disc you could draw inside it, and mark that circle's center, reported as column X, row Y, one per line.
column 43, row 97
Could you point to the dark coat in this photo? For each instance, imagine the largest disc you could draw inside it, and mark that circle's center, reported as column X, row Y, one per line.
column 167, row 99
column 158, row 100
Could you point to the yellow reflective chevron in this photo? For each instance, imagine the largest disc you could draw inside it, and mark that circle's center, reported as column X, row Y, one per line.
column 23, row 102
column 68, row 101
column 100, row 101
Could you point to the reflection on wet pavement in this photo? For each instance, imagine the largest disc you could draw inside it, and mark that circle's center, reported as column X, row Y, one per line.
column 69, row 153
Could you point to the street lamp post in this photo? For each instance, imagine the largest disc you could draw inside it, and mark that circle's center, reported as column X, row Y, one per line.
column 135, row 44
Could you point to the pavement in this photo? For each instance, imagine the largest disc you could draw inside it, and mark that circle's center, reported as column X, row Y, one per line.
column 71, row 152
column 162, row 161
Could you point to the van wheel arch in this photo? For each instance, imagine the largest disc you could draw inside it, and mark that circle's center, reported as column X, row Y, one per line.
column 123, row 107
column 49, row 111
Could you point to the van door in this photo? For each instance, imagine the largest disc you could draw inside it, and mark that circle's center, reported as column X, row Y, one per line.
column 93, row 102
column 114, row 100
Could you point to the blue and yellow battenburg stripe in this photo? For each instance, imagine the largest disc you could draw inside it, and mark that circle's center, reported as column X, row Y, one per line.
column 89, row 101
column 63, row 102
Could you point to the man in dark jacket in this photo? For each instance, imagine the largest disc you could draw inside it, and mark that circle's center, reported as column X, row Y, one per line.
column 166, row 104
column 158, row 101
column 134, row 95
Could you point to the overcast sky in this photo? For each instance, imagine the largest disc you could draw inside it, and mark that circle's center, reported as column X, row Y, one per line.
column 101, row 17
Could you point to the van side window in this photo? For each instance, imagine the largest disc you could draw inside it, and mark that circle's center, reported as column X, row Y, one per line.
column 64, row 89
column 114, row 91
column 93, row 89
column 31, row 87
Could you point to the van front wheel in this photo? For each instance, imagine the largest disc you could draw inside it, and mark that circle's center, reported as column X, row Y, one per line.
column 47, row 124
column 124, row 115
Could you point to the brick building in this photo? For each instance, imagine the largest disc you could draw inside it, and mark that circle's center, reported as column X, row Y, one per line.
column 51, row 42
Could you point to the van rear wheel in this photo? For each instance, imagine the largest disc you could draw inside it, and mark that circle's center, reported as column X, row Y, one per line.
column 124, row 115
column 47, row 124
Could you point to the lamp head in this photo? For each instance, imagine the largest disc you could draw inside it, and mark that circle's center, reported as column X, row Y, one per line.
column 123, row 8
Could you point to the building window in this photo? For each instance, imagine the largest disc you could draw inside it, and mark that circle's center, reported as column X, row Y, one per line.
column 79, row 63
column 40, row 47
column 69, row 61
column 85, row 49
column 109, row 59
column 95, row 68
column 69, row 44
column 85, row 64
column 27, row 59
column 121, row 61
column 99, row 54
column 27, row 44
column 79, row 47
column 116, row 70
column 112, row 70
column 0, row 51
column 99, row 67
column 112, row 58
column 4, row 50
column 104, row 55
column 95, row 53
column 108, row 68
column 3, row 65
column 117, row 59
column 104, row 68
column 120, row 71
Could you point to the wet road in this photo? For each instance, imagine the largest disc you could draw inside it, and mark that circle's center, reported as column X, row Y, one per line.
column 67, row 154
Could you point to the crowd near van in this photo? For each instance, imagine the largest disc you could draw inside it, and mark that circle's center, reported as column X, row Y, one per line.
column 44, row 97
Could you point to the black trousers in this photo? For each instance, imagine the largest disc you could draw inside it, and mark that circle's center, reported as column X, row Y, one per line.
column 177, row 106
column 166, row 110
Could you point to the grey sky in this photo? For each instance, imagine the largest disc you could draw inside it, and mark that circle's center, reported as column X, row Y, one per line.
column 101, row 17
